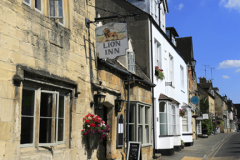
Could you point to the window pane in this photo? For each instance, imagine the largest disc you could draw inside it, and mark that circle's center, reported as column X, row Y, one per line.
column 27, row 130
column 52, row 8
column 28, row 98
column 61, row 107
column 60, row 11
column 131, row 133
column 163, row 117
column 140, row 110
column 185, row 128
column 162, row 107
column 139, row 133
column 47, row 130
column 163, row 129
column 60, row 129
column 47, row 107
column 27, row 1
column 147, row 134
column 146, row 115
column 132, row 113
column 38, row 5
column 173, row 120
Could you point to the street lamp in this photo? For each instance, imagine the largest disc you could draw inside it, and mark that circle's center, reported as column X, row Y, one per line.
column 193, row 62
column 119, row 104
column 98, row 100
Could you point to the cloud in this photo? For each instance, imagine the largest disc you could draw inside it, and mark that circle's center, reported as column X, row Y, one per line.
column 238, row 70
column 229, row 64
column 231, row 4
column 180, row 6
column 225, row 77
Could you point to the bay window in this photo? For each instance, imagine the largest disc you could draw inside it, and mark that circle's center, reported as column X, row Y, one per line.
column 140, row 123
column 168, row 119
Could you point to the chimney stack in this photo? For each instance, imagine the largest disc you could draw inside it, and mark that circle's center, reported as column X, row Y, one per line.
column 202, row 80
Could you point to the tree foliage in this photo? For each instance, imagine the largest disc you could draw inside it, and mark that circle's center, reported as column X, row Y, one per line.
column 204, row 105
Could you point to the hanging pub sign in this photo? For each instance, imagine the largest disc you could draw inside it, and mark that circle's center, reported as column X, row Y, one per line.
column 194, row 100
column 205, row 116
column 112, row 40
column 134, row 149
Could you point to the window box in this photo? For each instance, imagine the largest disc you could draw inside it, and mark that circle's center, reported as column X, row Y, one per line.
column 159, row 73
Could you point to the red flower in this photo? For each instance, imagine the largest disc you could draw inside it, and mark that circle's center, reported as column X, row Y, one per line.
column 97, row 117
column 92, row 125
column 160, row 70
column 84, row 118
column 156, row 67
column 87, row 121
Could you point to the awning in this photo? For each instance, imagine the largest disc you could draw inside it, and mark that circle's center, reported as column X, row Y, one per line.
column 199, row 118
column 164, row 97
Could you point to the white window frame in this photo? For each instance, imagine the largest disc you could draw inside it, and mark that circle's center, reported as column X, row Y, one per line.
column 158, row 54
column 57, row 12
column 129, row 60
column 182, row 77
column 174, row 126
column 188, row 117
column 29, row 4
column 34, row 118
column 160, row 123
column 171, row 69
column 136, row 123
column 56, row 118
column 36, row 9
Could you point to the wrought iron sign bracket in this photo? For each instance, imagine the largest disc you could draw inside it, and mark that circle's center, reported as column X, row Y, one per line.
column 87, row 21
column 168, row 83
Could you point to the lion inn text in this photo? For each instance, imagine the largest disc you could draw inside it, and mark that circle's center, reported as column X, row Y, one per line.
column 112, row 47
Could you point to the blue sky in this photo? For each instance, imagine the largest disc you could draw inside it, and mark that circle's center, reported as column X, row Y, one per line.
column 215, row 28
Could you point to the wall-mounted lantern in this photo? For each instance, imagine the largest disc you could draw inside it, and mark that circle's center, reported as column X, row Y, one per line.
column 119, row 104
column 193, row 62
column 98, row 100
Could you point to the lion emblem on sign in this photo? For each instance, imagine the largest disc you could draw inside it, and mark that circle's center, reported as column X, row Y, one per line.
column 108, row 34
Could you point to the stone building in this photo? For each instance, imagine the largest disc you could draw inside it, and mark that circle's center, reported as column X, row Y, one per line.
column 221, row 109
column 47, row 67
column 135, row 88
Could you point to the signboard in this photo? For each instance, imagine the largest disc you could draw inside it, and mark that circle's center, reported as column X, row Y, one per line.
column 120, row 131
column 205, row 116
column 134, row 149
column 194, row 100
column 112, row 40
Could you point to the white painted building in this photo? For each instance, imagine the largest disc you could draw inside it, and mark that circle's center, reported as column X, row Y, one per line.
column 170, row 93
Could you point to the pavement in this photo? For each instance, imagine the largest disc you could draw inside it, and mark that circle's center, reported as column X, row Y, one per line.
column 201, row 148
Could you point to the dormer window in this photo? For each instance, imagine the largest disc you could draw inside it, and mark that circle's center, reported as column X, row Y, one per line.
column 172, row 33
column 131, row 61
column 212, row 92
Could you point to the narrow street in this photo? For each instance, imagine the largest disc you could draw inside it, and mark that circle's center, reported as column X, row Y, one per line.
column 228, row 149
column 217, row 147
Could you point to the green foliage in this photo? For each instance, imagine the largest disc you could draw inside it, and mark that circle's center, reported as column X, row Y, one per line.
column 160, row 75
column 182, row 143
column 204, row 105
column 209, row 125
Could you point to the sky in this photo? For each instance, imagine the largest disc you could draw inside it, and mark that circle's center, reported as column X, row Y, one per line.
column 214, row 26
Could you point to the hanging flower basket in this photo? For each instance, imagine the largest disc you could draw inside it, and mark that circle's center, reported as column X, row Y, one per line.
column 95, row 129
column 182, row 112
column 159, row 73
